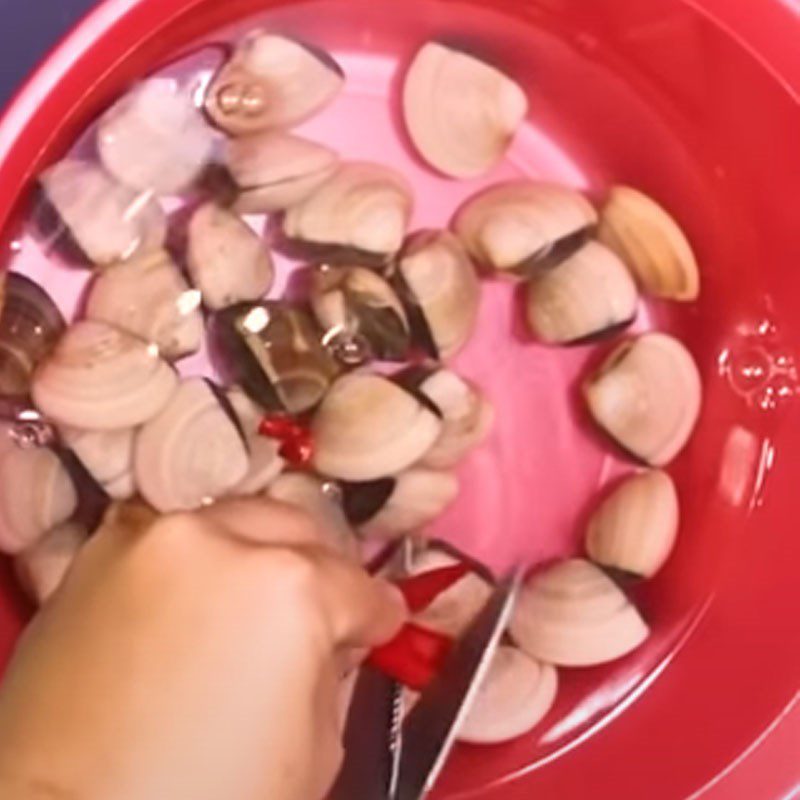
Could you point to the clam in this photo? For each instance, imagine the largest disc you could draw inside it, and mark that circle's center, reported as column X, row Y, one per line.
column 391, row 507
column 368, row 427
column 227, row 261
column 517, row 227
column 107, row 456
column 273, row 352
column 148, row 297
column 271, row 82
column 635, row 528
column 276, row 170
column 155, row 139
column 192, row 452
column 362, row 207
column 573, row 615
column 30, row 326
column 108, row 222
column 647, row 396
column 460, row 112
column 587, row 294
column 513, row 698
column 41, row 569
column 360, row 313
column 651, row 243
column 101, row 378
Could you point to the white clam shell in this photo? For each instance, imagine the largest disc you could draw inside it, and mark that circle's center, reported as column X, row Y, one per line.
column 227, row 261
column 363, row 206
column 514, row 697
column 368, row 427
column 510, row 225
column 155, row 138
column 591, row 292
column 101, row 378
column 572, row 614
column 651, row 243
column 635, row 528
column 107, row 457
column 149, row 298
column 647, row 397
column 460, row 112
column 276, row 170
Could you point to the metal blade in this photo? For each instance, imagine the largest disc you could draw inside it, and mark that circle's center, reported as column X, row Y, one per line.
column 429, row 732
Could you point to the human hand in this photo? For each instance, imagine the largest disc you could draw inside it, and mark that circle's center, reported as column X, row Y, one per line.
column 191, row 657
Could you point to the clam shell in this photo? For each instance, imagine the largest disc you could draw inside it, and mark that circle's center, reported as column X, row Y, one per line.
column 461, row 113
column 362, row 206
column 518, row 226
column 271, row 82
column 647, row 397
column 192, row 453
column 107, row 456
column 101, row 378
column 276, row 170
column 108, row 221
column 651, row 243
column 441, row 282
column 588, row 293
column 368, row 427
column 635, row 528
column 154, row 138
column 227, row 261
column 149, row 298
column 573, row 615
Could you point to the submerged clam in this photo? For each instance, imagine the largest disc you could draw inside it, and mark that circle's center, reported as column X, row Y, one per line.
column 360, row 313
column 101, row 378
column 274, row 353
column 588, row 293
column 519, row 226
column 192, row 452
column 651, row 243
column 647, row 397
column 368, row 427
column 271, row 82
column 391, row 507
column 148, row 297
column 276, row 170
column 155, row 138
column 107, row 456
column 573, row 615
column 440, row 286
column 460, row 112
column 635, row 528
column 108, row 222
column 362, row 207
column 227, row 261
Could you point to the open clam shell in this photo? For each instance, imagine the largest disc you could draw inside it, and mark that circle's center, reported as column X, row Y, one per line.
column 635, row 528
column 271, row 82
column 273, row 352
column 109, row 222
column 519, row 226
column 651, row 243
column 363, row 207
column 227, row 261
column 154, row 138
column 149, row 298
column 101, row 378
column 368, row 427
column 573, row 615
column 460, row 112
column 276, row 170
column 359, row 313
column 192, row 452
column 107, row 456
column 647, row 397
column 590, row 292
column 440, row 285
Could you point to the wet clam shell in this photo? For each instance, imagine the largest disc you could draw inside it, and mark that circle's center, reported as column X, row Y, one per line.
column 107, row 456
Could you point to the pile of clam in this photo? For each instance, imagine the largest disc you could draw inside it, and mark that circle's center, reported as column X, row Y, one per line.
column 342, row 401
